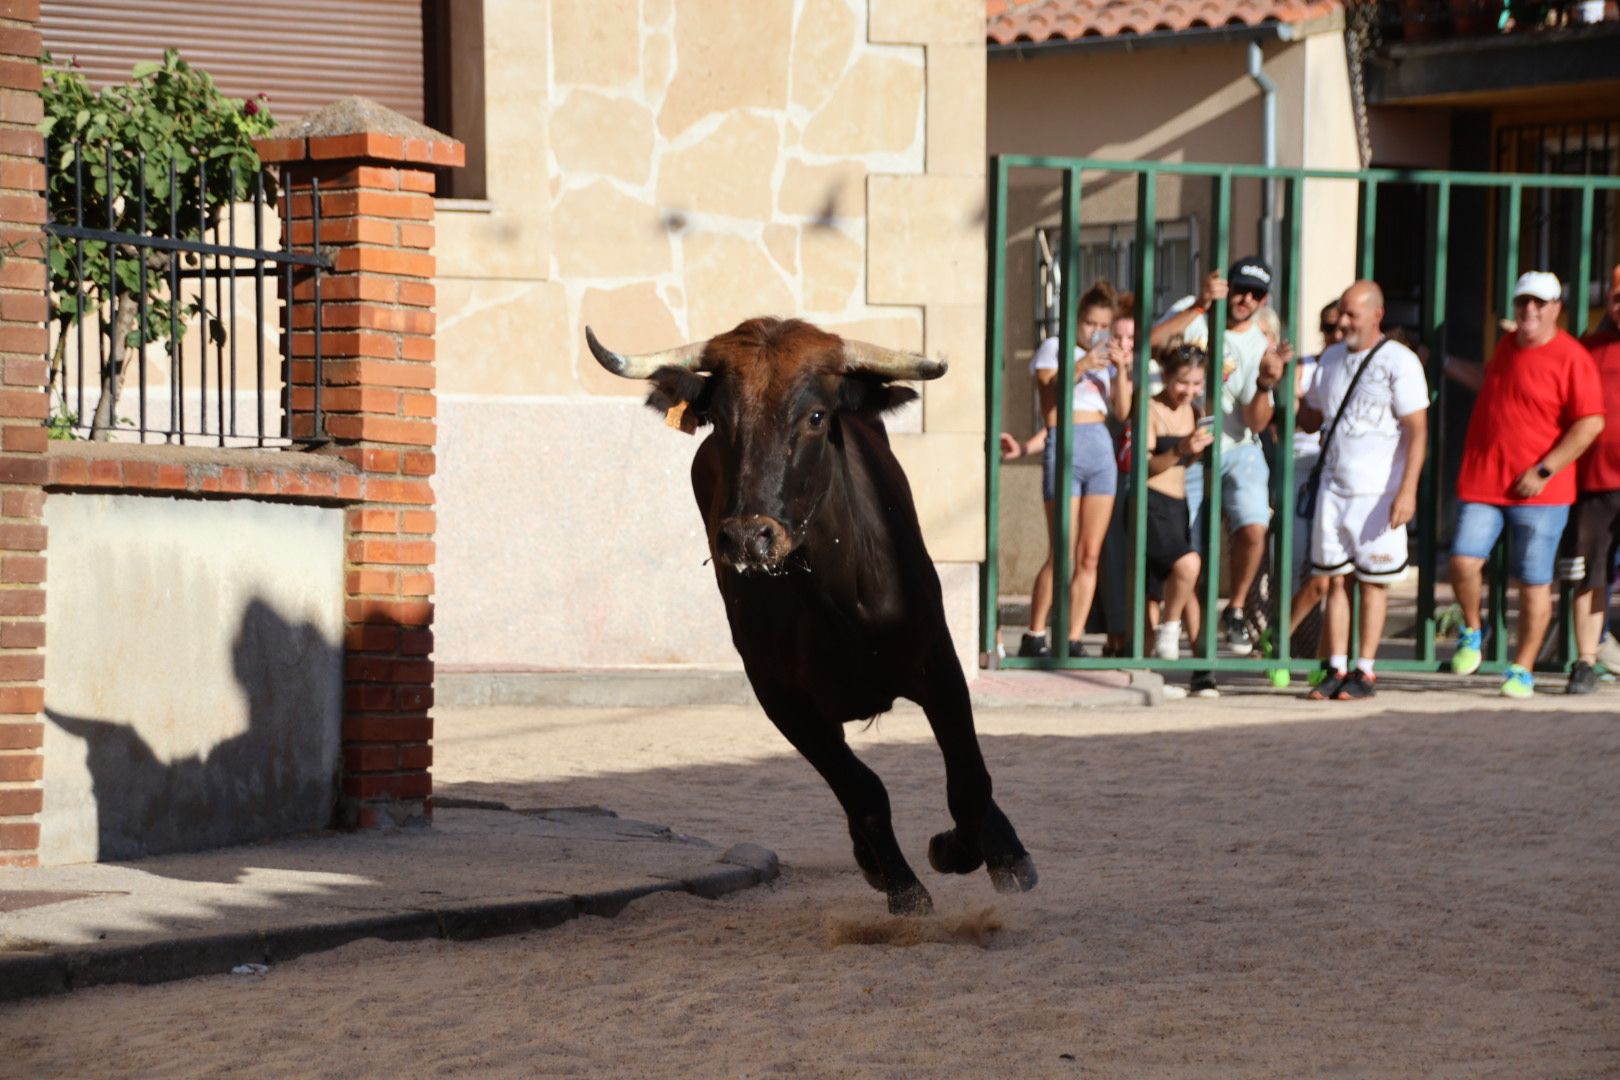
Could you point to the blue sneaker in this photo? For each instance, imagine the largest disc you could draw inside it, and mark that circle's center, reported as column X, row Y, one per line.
column 1466, row 660
column 1518, row 683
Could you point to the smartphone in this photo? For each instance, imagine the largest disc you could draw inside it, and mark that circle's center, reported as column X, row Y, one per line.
column 1205, row 423
column 1098, row 337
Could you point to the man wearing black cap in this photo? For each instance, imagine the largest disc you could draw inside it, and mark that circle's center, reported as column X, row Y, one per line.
column 1250, row 368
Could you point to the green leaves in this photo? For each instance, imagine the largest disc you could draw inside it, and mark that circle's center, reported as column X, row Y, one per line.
column 125, row 138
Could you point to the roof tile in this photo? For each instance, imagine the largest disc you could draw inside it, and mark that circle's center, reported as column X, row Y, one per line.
column 1009, row 21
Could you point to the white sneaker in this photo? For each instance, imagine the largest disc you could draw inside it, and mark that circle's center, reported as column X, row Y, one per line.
column 1167, row 640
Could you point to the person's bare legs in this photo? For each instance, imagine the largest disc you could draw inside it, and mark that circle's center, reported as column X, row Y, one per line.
column 1467, row 580
column 1248, row 547
column 1178, row 587
column 1589, row 623
column 1535, row 613
column 1095, row 512
column 1040, row 594
column 1336, row 623
column 1310, row 595
column 1374, row 608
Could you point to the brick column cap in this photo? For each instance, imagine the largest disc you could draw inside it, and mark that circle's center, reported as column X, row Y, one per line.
column 354, row 128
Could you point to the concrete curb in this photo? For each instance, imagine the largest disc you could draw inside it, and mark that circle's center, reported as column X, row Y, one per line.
column 34, row 974
column 639, row 688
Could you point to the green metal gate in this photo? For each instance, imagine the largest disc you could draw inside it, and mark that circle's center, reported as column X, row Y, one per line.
column 1509, row 191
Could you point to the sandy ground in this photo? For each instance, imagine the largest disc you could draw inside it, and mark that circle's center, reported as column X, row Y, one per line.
column 1425, row 885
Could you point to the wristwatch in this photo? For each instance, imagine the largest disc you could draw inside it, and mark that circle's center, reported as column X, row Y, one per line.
column 1542, row 470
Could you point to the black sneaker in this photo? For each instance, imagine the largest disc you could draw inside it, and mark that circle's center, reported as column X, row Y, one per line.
column 1359, row 685
column 1203, row 685
column 1328, row 688
column 1033, row 646
column 1077, row 648
column 1582, row 679
column 1238, row 638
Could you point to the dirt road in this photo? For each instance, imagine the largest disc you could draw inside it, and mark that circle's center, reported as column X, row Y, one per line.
column 1424, row 885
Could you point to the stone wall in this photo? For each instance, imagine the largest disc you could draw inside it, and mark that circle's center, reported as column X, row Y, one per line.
column 661, row 170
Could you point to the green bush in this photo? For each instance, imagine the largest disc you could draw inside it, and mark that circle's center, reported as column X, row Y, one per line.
column 168, row 114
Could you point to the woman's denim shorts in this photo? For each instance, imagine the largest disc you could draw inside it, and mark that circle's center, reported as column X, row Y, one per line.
column 1093, row 470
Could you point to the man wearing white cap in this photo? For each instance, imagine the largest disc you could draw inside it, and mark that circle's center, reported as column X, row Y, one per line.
column 1540, row 406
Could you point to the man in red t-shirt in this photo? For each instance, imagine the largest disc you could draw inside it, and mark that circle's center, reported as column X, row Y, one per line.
column 1595, row 523
column 1540, row 406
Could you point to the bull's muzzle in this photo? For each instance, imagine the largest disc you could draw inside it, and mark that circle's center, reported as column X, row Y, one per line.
column 753, row 543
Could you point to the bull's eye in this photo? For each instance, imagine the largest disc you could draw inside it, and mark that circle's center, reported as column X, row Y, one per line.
column 817, row 418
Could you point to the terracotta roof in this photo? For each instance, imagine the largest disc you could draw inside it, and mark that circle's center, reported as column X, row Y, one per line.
column 1009, row 21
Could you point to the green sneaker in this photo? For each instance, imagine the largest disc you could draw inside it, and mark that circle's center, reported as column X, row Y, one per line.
column 1315, row 677
column 1466, row 660
column 1518, row 683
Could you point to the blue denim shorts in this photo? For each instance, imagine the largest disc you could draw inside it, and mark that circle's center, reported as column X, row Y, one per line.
column 1093, row 470
column 1245, row 491
column 1533, row 533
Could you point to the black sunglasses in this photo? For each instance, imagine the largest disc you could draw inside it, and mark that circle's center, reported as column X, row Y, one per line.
column 1244, row 290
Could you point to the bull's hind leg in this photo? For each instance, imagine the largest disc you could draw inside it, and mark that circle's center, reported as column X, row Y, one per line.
column 982, row 835
column 865, row 802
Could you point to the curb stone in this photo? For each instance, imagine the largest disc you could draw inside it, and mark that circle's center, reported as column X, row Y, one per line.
column 35, row 974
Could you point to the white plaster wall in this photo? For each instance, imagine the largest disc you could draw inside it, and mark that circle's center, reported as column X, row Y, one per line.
column 569, row 538
column 193, row 688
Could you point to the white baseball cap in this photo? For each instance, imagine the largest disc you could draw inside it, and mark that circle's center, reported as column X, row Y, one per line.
column 1541, row 284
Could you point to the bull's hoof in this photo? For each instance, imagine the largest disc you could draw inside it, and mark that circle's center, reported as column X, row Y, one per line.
column 911, row 900
column 1016, row 876
column 947, row 854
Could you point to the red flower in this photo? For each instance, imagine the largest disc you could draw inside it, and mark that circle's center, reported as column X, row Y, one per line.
column 251, row 108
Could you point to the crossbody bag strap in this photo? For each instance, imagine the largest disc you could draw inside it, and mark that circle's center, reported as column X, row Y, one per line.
column 1365, row 364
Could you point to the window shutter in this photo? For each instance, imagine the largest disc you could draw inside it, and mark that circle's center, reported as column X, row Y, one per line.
column 303, row 53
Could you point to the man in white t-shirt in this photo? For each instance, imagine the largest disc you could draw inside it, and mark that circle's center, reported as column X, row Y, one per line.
column 1370, row 476
column 1250, row 369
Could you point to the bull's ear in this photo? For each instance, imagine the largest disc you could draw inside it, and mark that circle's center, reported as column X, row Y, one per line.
column 675, row 388
column 872, row 394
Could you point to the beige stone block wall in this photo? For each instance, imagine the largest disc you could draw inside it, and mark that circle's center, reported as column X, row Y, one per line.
column 662, row 169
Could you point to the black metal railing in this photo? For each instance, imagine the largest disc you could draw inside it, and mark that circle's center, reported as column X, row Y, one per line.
column 163, row 296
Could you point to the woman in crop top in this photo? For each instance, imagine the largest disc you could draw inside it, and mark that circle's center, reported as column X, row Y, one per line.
column 1102, row 386
column 1176, row 441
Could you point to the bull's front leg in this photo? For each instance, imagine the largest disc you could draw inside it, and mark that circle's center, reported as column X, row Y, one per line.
column 982, row 835
column 861, row 794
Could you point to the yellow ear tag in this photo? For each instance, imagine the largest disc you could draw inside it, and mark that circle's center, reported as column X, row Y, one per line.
column 677, row 417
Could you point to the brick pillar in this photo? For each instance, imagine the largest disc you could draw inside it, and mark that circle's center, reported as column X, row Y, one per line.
column 376, row 208
column 23, row 405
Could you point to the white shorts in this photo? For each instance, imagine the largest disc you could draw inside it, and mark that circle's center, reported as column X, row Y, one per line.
column 1352, row 532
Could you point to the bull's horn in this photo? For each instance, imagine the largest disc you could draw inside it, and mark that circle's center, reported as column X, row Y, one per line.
column 890, row 363
column 640, row 367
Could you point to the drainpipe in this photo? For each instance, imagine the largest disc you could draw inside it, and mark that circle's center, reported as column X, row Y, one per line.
column 1268, row 139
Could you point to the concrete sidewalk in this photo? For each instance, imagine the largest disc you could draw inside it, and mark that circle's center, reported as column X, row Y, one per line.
column 616, row 688
column 481, row 870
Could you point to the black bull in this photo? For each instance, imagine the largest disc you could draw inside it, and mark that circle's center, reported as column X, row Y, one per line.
column 833, row 601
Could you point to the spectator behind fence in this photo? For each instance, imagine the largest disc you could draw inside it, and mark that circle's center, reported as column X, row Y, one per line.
column 1540, row 406
column 1594, row 532
column 1102, row 386
column 1370, row 400
column 1175, row 441
column 1250, row 369
column 1312, row 588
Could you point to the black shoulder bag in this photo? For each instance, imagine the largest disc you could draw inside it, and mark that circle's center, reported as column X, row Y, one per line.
column 1305, row 497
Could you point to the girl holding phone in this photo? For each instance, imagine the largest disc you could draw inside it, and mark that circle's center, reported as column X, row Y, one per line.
column 1177, row 436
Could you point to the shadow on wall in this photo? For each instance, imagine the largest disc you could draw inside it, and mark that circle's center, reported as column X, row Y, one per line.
column 280, row 776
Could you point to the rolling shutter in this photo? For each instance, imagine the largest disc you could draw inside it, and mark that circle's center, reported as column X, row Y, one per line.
column 303, row 53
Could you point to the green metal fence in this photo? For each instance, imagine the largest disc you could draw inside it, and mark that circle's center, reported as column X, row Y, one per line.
column 1438, row 187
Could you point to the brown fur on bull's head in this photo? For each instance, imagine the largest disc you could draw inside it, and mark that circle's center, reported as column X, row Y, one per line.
column 777, row 393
